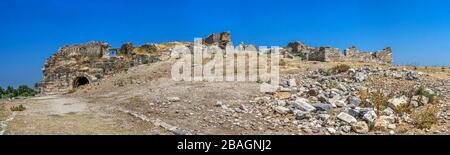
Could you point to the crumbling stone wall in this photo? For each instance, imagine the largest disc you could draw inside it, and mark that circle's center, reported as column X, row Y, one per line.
column 71, row 62
column 92, row 61
column 95, row 60
column 88, row 49
column 384, row 56
column 327, row 54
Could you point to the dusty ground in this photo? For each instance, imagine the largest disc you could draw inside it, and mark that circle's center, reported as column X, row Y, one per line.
column 198, row 108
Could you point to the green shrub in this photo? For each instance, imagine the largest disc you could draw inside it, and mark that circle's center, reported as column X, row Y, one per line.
column 379, row 100
column 25, row 91
column 22, row 90
column 2, row 92
column 111, row 59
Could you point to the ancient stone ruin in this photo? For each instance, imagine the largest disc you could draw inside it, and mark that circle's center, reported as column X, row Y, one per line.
column 222, row 40
column 327, row 54
column 77, row 65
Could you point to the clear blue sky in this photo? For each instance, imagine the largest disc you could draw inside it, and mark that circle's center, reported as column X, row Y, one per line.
column 32, row 30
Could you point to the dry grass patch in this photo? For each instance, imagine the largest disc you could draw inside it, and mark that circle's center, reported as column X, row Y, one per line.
column 425, row 117
column 340, row 69
column 18, row 108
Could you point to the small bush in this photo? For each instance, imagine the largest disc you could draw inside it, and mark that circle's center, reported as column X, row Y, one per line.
column 18, row 108
column 379, row 100
column 425, row 117
column 340, row 69
column 371, row 126
column 111, row 59
column 421, row 90
column 434, row 99
column 404, row 109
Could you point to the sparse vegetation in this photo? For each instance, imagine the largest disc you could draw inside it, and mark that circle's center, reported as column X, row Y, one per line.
column 371, row 126
column 18, row 108
column 404, row 109
column 425, row 117
column 379, row 100
column 340, row 69
column 2, row 91
column 111, row 59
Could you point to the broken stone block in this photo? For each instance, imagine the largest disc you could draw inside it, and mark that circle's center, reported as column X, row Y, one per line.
column 359, row 77
column 340, row 103
column 268, row 88
column 313, row 92
column 322, row 106
column 383, row 122
column 354, row 101
column 361, row 128
column 370, row 116
column 409, row 76
column 282, row 110
column 396, row 103
column 302, row 104
column 417, row 101
column 292, row 83
column 300, row 115
column 346, row 118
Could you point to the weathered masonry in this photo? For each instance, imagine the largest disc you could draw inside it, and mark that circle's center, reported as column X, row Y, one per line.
column 327, row 54
column 74, row 66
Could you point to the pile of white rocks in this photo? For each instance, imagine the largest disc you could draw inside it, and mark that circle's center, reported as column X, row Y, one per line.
column 326, row 103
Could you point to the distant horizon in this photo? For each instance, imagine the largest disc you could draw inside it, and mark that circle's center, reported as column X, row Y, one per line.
column 33, row 30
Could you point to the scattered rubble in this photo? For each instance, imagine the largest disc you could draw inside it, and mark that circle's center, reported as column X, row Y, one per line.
column 326, row 103
column 309, row 101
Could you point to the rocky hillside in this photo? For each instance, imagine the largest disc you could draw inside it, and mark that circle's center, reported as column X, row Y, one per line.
column 326, row 98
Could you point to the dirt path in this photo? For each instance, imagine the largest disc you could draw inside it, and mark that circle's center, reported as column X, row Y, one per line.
column 51, row 115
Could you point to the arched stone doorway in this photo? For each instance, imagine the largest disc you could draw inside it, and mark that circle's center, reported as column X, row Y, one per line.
column 80, row 81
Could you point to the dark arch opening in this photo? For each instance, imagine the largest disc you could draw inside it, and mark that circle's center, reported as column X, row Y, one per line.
column 80, row 81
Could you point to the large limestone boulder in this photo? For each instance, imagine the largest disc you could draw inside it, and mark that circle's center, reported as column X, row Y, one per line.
column 397, row 102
